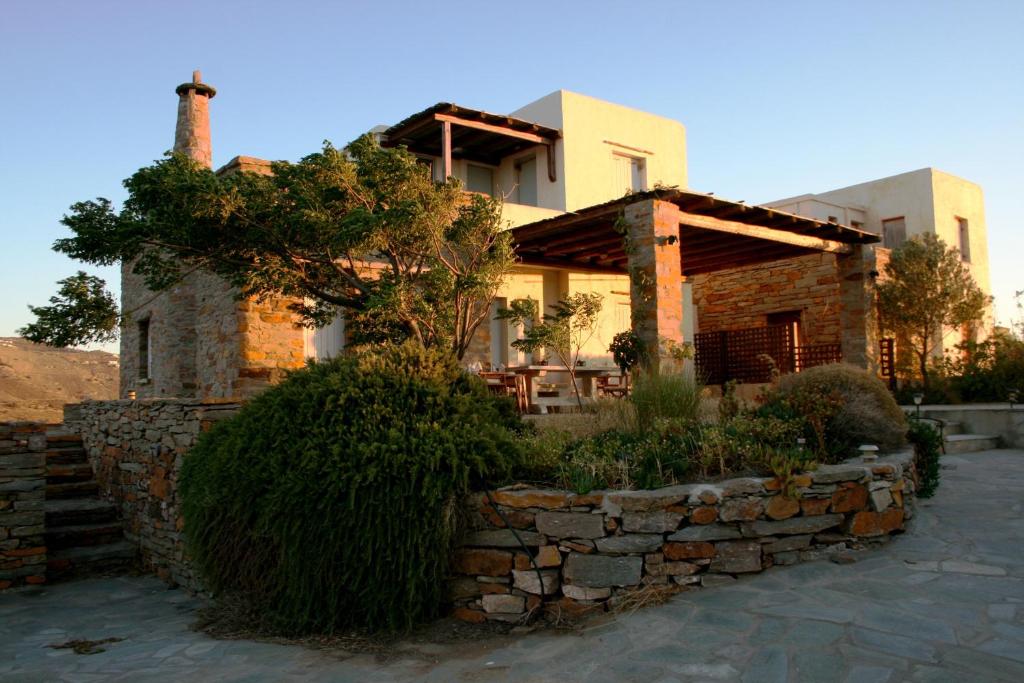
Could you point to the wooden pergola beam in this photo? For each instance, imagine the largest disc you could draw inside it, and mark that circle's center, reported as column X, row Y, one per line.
column 582, row 248
column 693, row 220
column 499, row 130
column 576, row 266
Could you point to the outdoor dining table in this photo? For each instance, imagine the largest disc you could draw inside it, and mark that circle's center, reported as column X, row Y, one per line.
column 584, row 379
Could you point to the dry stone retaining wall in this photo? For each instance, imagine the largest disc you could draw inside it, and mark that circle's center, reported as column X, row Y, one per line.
column 22, row 497
column 136, row 450
column 590, row 549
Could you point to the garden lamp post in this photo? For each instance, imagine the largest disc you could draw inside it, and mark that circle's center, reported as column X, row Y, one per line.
column 918, row 398
column 1012, row 395
column 868, row 452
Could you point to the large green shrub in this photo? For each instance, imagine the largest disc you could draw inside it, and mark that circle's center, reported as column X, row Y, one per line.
column 927, row 441
column 854, row 406
column 987, row 371
column 328, row 501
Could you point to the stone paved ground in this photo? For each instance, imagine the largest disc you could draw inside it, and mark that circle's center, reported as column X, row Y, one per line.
column 942, row 603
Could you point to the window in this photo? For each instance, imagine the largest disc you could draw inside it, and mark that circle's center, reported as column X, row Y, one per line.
column 145, row 349
column 629, row 174
column 325, row 342
column 894, row 232
column 526, row 182
column 964, row 234
column 480, row 179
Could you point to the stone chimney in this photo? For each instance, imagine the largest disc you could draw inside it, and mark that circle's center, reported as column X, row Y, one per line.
column 192, row 132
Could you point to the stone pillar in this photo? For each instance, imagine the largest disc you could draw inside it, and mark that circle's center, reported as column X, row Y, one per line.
column 192, row 132
column 858, row 312
column 655, row 273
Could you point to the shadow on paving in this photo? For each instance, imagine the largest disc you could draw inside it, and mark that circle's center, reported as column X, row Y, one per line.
column 944, row 602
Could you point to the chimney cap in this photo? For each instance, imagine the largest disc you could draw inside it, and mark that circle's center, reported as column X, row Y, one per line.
column 197, row 85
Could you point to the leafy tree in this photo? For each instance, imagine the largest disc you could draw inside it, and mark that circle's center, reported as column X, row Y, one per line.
column 83, row 311
column 364, row 231
column 628, row 351
column 562, row 333
column 927, row 290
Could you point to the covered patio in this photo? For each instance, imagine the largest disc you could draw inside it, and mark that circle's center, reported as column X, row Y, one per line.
column 662, row 237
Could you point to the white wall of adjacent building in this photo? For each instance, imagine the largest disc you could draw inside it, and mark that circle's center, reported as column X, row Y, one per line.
column 898, row 207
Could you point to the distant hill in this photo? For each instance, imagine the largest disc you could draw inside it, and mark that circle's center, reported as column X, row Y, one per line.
column 36, row 380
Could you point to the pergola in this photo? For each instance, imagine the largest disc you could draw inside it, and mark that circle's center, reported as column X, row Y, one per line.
column 475, row 135
column 660, row 236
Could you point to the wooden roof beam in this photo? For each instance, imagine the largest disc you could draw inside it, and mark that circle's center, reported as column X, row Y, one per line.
column 693, row 220
column 497, row 130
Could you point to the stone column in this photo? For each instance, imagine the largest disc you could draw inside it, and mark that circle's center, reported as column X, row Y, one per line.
column 858, row 312
column 655, row 273
column 192, row 132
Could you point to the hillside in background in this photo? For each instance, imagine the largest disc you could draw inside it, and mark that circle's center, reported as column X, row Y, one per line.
column 36, row 380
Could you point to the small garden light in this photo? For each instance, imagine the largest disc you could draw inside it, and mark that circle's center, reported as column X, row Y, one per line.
column 868, row 452
column 1012, row 395
column 918, row 398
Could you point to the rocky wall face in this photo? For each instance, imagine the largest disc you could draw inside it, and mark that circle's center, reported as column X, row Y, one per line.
column 22, row 497
column 136, row 449
column 591, row 549
column 739, row 298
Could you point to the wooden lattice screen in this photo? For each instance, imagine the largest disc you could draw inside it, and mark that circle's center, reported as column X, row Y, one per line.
column 887, row 360
column 744, row 355
column 817, row 354
column 747, row 355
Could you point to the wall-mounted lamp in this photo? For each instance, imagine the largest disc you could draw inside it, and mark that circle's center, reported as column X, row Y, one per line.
column 873, row 274
column 668, row 239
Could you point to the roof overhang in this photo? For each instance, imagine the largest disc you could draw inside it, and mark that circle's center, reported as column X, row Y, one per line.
column 475, row 135
column 714, row 234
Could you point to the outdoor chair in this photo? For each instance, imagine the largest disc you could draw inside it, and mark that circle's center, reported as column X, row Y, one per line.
column 615, row 389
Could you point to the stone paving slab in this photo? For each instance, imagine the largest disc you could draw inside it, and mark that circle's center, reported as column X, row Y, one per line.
column 944, row 602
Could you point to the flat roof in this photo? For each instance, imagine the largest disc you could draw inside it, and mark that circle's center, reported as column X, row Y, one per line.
column 590, row 240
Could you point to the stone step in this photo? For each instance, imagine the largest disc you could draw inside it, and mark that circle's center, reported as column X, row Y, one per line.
column 71, row 454
column 81, row 535
column 73, row 489
column 952, row 427
column 60, row 473
column 66, row 562
column 970, row 443
column 72, row 511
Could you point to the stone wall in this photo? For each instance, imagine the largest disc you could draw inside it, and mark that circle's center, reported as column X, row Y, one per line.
column 594, row 548
column 739, row 298
column 136, row 450
column 22, row 496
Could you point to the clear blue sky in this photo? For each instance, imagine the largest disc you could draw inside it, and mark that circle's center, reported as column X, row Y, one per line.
column 779, row 98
